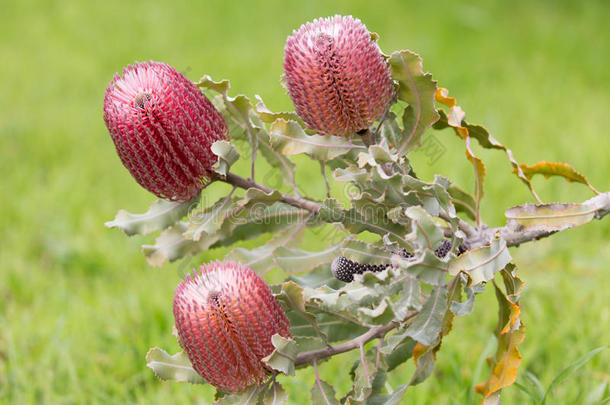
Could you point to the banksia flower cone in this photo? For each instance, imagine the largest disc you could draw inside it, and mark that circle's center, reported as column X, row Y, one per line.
column 336, row 75
column 163, row 128
column 225, row 316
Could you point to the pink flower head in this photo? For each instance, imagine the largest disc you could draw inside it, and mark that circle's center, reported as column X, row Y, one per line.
column 225, row 316
column 163, row 128
column 336, row 76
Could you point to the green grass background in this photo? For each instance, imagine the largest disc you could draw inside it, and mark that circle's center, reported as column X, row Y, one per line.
column 79, row 306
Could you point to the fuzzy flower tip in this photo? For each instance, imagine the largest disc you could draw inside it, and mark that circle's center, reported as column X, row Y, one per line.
column 225, row 316
column 163, row 128
column 336, row 76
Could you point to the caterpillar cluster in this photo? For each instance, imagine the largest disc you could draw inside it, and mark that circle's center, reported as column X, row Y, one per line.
column 344, row 269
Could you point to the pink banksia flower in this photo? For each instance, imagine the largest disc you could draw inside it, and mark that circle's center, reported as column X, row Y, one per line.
column 336, row 76
column 225, row 316
column 163, row 128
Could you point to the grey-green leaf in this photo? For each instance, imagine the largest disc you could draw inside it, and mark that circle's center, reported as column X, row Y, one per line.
column 172, row 368
column 249, row 397
column 160, row 215
column 227, row 155
column 553, row 217
column 427, row 324
column 323, row 394
column 418, row 89
column 172, row 245
column 283, row 357
column 481, row 264
column 275, row 395
column 289, row 138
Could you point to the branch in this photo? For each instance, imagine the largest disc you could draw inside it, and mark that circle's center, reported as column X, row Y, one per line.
column 475, row 237
column 244, row 183
column 373, row 333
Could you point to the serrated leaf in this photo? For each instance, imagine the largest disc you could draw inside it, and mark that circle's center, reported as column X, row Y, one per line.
column 280, row 164
column 400, row 353
column 391, row 399
column 431, row 196
column 424, row 367
column 298, row 261
column 482, row 263
column 268, row 116
column 221, row 87
column 209, row 220
column 479, row 169
column 263, row 258
column 561, row 169
column 369, row 378
column 309, row 343
column 227, row 155
column 258, row 219
column 426, row 267
column 505, row 363
column 465, row 307
column 316, row 278
column 424, row 232
column 161, row 215
column 357, row 222
column 172, row 368
column 390, row 131
column 249, row 397
column 552, row 217
column 510, row 332
column 238, row 113
column 484, row 138
column 275, row 395
column 417, row 89
column 172, row 245
column 426, row 326
column 462, row 200
column 289, row 138
column 380, row 314
column 283, row 357
column 302, row 322
column 254, row 195
column 323, row 393
column 409, row 299
column 338, row 329
column 259, row 259
column 442, row 96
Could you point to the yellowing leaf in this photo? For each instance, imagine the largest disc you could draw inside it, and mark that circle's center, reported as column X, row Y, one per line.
column 442, row 96
column 548, row 169
column 510, row 332
column 418, row 351
column 455, row 119
column 479, row 170
column 507, row 362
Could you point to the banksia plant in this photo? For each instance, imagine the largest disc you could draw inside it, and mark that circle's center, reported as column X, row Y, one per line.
column 433, row 251
column 336, row 76
column 163, row 128
column 225, row 316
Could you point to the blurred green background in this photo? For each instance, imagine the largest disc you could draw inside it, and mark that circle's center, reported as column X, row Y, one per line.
column 79, row 306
